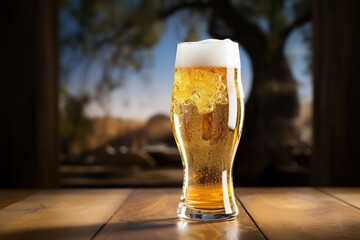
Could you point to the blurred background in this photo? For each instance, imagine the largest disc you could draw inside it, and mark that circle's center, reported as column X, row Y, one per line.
column 86, row 96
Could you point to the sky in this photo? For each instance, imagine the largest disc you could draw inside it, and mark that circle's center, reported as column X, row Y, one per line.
column 153, row 96
column 138, row 99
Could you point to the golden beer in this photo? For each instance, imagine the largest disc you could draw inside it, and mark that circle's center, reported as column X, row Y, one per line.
column 207, row 114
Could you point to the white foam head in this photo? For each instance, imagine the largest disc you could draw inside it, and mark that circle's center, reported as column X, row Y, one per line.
column 214, row 53
column 210, row 52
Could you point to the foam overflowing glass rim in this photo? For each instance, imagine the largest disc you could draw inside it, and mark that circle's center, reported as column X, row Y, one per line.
column 209, row 52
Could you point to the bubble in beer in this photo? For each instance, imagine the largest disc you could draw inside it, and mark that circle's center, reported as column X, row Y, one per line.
column 203, row 87
column 200, row 71
column 206, row 114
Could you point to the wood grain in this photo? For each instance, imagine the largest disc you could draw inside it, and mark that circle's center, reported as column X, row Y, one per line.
column 60, row 214
column 300, row 213
column 8, row 197
column 348, row 195
column 151, row 214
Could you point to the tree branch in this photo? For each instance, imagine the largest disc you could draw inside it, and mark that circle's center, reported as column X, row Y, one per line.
column 183, row 5
column 213, row 29
column 162, row 14
column 126, row 27
column 306, row 17
column 251, row 37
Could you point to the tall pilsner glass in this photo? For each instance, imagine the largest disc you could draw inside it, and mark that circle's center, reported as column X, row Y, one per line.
column 207, row 111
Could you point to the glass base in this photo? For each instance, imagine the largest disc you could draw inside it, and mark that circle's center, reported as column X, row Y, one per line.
column 204, row 215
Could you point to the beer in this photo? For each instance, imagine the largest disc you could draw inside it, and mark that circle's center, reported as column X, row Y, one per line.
column 207, row 113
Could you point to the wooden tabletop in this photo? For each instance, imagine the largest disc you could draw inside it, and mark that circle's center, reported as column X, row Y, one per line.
column 264, row 213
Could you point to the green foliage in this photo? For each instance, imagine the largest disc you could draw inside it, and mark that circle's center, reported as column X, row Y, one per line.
column 116, row 35
column 74, row 124
column 116, row 32
column 119, row 34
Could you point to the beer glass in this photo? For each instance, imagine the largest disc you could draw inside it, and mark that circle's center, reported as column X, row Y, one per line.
column 207, row 111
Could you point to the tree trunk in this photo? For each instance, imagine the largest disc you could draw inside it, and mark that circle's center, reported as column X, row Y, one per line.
column 273, row 101
column 268, row 129
column 336, row 31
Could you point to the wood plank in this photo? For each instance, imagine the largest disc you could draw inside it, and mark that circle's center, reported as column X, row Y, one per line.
column 8, row 197
column 300, row 213
column 60, row 214
column 151, row 214
column 348, row 195
column 158, row 177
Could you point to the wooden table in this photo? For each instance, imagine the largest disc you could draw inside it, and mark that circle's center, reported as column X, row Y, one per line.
column 265, row 213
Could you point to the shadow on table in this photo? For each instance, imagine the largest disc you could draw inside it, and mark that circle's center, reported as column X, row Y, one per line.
column 167, row 228
column 84, row 231
column 40, row 232
column 144, row 224
column 174, row 228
